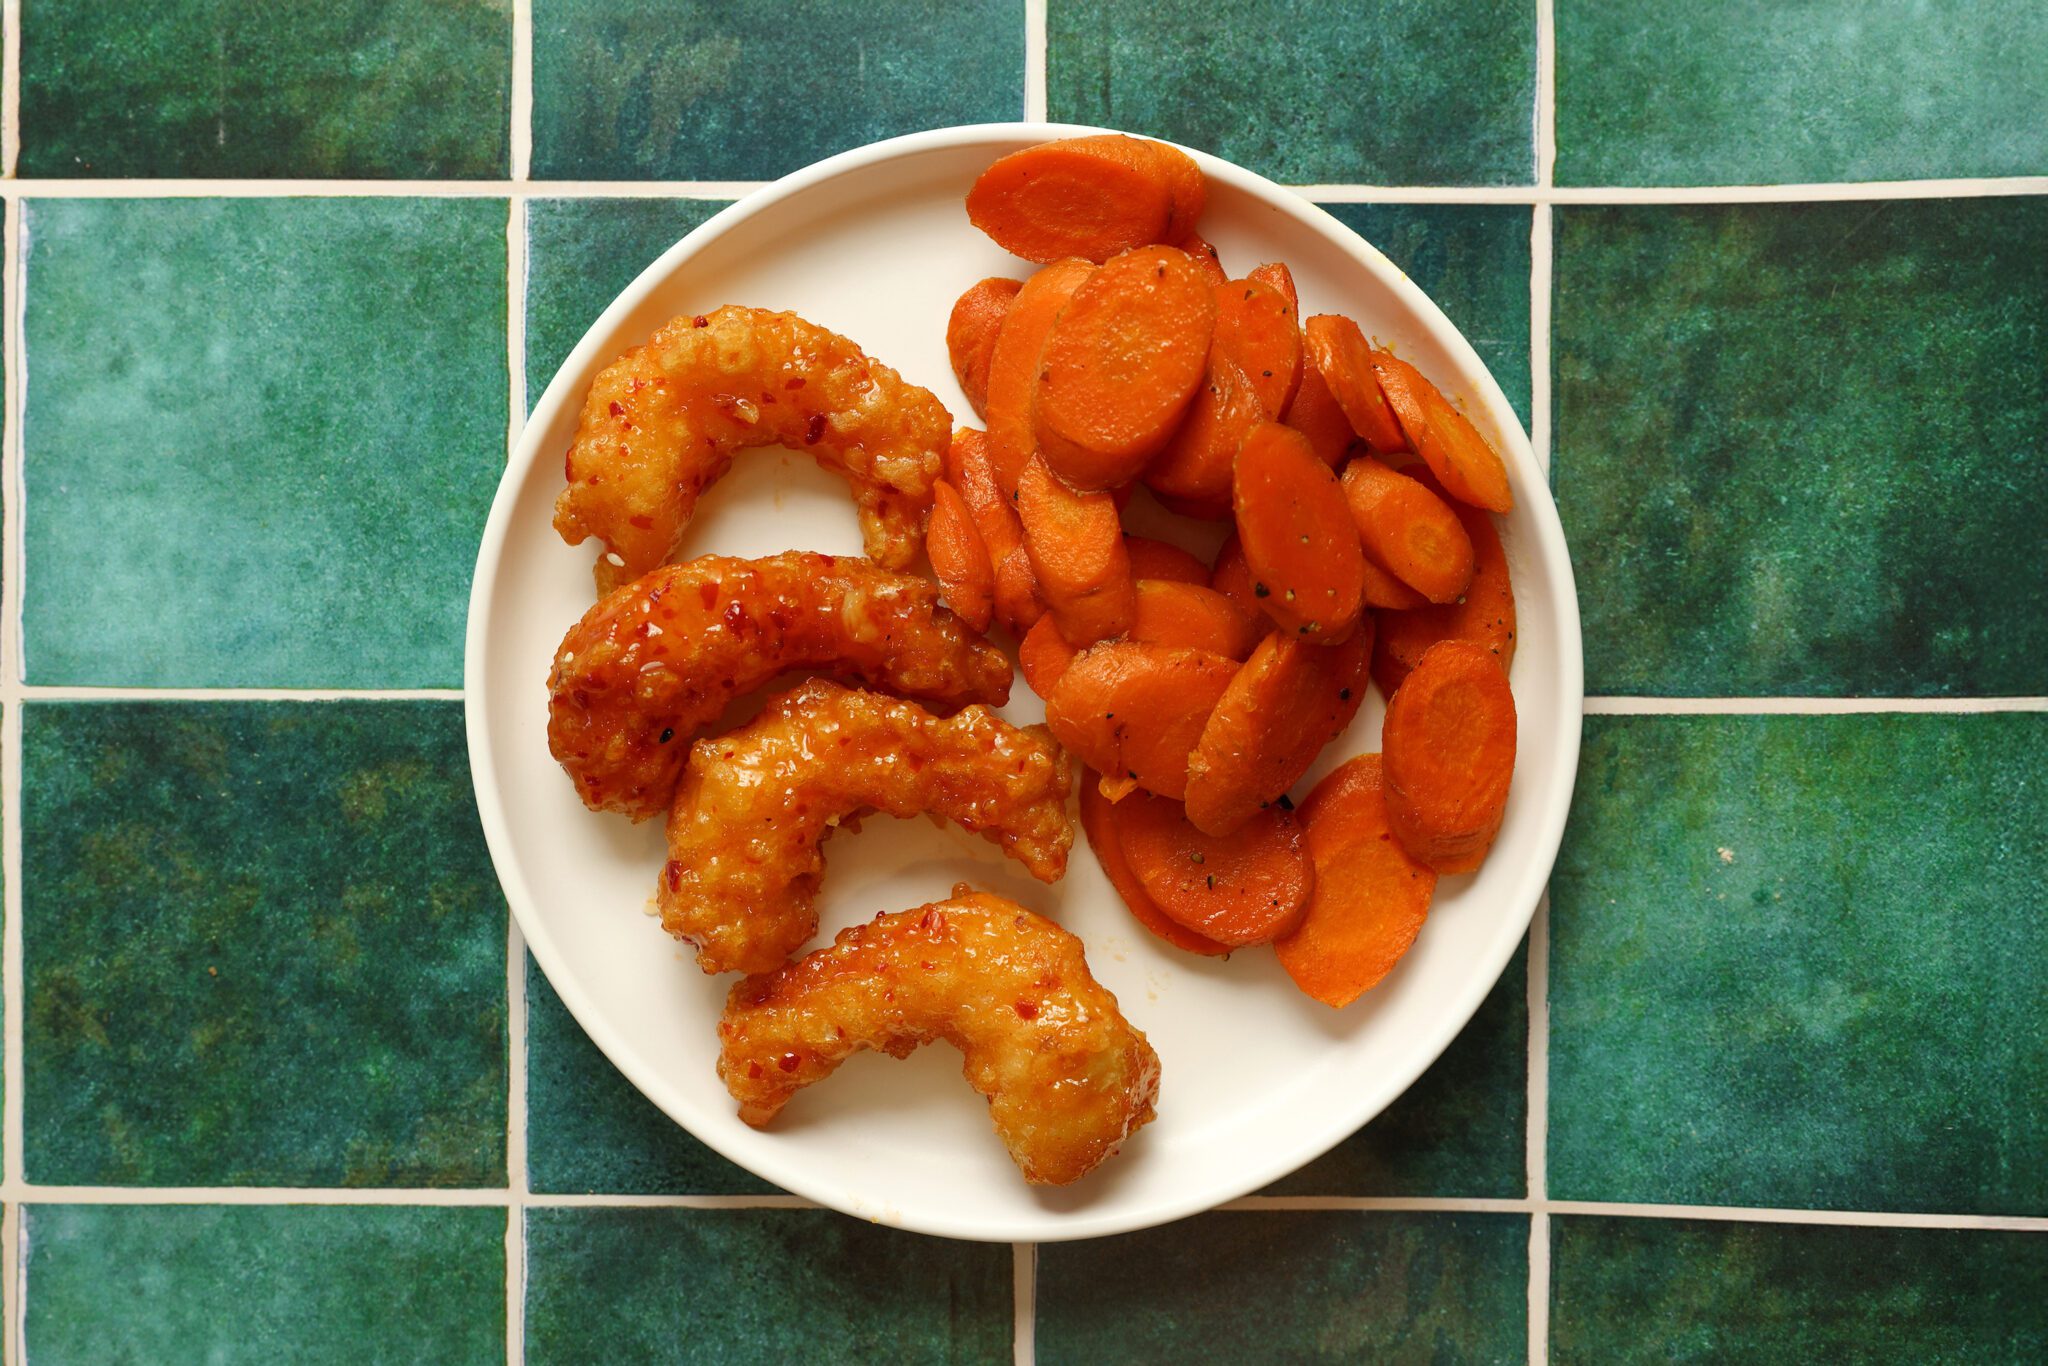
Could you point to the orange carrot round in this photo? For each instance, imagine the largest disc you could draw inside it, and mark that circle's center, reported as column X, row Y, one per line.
column 1485, row 614
column 1152, row 559
column 1133, row 711
column 1206, row 258
column 1193, row 616
column 1043, row 654
column 1090, row 197
column 1076, row 546
column 1461, row 459
column 1384, row 590
column 1232, row 577
column 1099, row 821
column 1277, row 275
column 1408, row 530
column 1449, row 742
column 968, row 468
column 1298, row 535
column 1188, row 190
column 1254, row 370
column 1317, row 415
column 1247, row 887
column 967, row 580
column 1013, row 365
column 971, row 330
column 1340, row 352
column 1019, row 605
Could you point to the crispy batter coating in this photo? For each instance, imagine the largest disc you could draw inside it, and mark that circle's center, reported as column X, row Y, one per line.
column 659, row 659
column 1066, row 1076
column 663, row 422
column 746, row 835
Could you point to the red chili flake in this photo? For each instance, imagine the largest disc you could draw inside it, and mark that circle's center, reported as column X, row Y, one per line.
column 568, row 467
column 789, row 1062
column 673, row 872
column 814, row 429
column 1027, row 1010
column 618, row 409
column 736, row 616
column 700, row 321
column 767, row 397
column 796, row 383
column 932, row 920
column 645, row 523
column 707, row 593
column 754, row 1071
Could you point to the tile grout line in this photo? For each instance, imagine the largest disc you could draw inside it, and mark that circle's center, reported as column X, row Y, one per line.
column 521, row 141
column 1034, row 61
column 13, row 1265
column 10, row 72
column 1805, row 706
column 1537, row 1153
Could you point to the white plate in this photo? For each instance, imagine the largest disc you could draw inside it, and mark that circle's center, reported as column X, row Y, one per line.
column 1256, row 1078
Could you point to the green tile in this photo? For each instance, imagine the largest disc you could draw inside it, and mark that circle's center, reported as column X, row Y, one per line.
column 1800, row 961
column 1697, row 1291
column 411, row 89
column 1460, row 1130
column 1296, row 1287
column 262, row 945
column 229, row 1284
column 1756, row 91
column 607, row 1285
column 1800, row 447
column 579, row 254
column 263, row 437
column 1473, row 260
column 1425, row 92
column 589, row 1131
column 691, row 90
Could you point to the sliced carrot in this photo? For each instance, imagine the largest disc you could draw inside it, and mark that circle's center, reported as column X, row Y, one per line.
column 1408, row 531
column 1190, row 190
column 1190, row 615
column 1133, row 711
column 1104, row 830
column 1152, row 559
column 1254, row 370
column 1019, row 604
column 1276, row 274
column 1120, row 365
column 1232, row 577
column 1485, row 614
column 1288, row 701
column 1449, row 739
column 1298, row 535
column 1316, row 414
column 1462, row 460
column 967, row 580
column 1013, row 365
column 1076, row 547
column 1340, row 352
column 1205, row 256
column 1090, row 197
column 1247, row 887
column 1043, row 654
column 968, row 468
column 971, row 334
column 1370, row 897
column 1384, row 590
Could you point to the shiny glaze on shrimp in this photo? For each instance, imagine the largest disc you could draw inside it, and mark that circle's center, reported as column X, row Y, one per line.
column 659, row 659
column 663, row 422
column 754, row 807
column 1066, row 1076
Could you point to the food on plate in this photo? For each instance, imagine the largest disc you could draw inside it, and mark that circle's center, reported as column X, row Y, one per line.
column 1043, row 654
column 1247, row 887
column 1019, row 604
column 1090, row 197
column 756, row 804
column 1384, row 590
column 1341, row 355
column 1099, row 819
column 1152, row 559
column 1232, row 577
column 1408, row 531
column 970, row 469
column 971, row 334
column 1317, row 415
column 1075, row 543
column 1206, row 257
column 1298, row 538
column 1370, row 896
column 1460, row 458
column 1066, row 1076
column 1484, row 614
column 1194, row 616
column 663, row 421
column 1013, row 366
column 656, row 661
column 1133, row 711
column 960, row 559
column 1449, row 745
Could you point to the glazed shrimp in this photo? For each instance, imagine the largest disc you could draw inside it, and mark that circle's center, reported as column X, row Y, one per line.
column 755, row 806
column 1066, row 1076
column 663, row 422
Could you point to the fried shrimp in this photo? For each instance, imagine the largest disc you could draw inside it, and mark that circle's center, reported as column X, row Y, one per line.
column 1066, row 1076
column 659, row 659
column 663, row 422
column 754, row 807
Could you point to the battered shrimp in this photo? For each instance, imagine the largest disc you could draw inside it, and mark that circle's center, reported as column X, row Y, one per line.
column 1067, row 1078
column 663, row 422
column 755, row 805
column 659, row 659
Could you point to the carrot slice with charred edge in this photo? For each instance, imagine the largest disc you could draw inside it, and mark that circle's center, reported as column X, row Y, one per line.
column 959, row 558
column 1287, row 701
column 1043, row 654
column 1298, row 535
column 1370, row 897
column 1317, row 415
column 1232, row 577
column 1152, row 559
column 1254, row 370
column 1076, row 547
column 1193, row 616
column 1449, row 744
column 1277, row 275
column 1133, row 711
column 1013, row 366
column 1462, row 460
column 1339, row 350
column 1019, row 605
column 1247, row 887
column 1384, row 590
column 969, row 470
column 971, row 331
column 1090, row 197
column 1120, row 365
column 1099, row 822
column 1206, row 258
column 1485, row 615
column 1409, row 531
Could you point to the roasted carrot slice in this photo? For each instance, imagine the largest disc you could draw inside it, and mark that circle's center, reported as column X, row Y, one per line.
column 1461, row 459
column 971, row 331
column 1189, row 190
column 1013, row 365
column 1485, row 615
column 1316, row 414
column 1247, row 887
column 1232, row 577
column 1193, row 616
column 1019, row 604
column 968, row 468
column 1099, row 821
column 1370, row 897
column 1276, row 274
column 1210, row 263
column 1450, row 755
column 1288, row 701
column 1254, row 370
column 967, row 580
column 1384, row 590
column 1090, row 197
column 1120, row 365
column 1043, row 654
column 1340, row 352
column 1409, row 531
column 1133, row 711
column 1298, row 535
column 1076, row 547
column 1152, row 559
